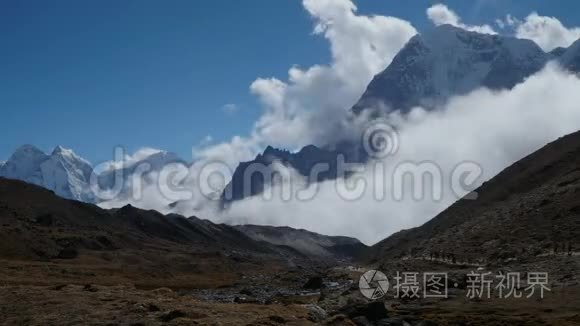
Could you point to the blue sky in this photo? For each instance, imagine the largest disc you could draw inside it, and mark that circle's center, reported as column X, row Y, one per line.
column 90, row 75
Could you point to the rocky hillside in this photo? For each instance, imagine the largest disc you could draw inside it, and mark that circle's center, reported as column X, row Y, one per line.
column 308, row 243
column 127, row 243
column 39, row 225
column 530, row 209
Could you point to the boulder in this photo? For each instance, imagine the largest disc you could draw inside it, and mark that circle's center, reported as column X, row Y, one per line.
column 314, row 283
column 315, row 313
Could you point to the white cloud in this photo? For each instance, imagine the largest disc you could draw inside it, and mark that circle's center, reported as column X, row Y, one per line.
column 237, row 150
column 361, row 46
column 130, row 159
column 230, row 108
column 548, row 32
column 509, row 21
column 312, row 105
column 493, row 129
column 440, row 14
column 207, row 139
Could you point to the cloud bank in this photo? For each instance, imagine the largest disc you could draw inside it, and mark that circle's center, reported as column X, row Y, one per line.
column 548, row 32
column 312, row 105
column 313, row 102
column 440, row 14
column 492, row 129
column 130, row 159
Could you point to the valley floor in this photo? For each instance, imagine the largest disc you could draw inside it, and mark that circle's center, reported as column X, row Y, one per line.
column 122, row 305
column 265, row 298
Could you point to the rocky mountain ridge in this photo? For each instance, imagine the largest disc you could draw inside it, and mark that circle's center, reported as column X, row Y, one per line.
column 447, row 61
column 308, row 243
column 37, row 224
column 432, row 67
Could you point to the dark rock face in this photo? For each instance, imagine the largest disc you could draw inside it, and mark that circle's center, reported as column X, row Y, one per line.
column 277, row 319
column 68, row 253
column 151, row 307
column 44, row 220
column 174, row 314
column 90, row 288
column 570, row 58
column 314, row 283
column 372, row 311
column 315, row 164
column 558, row 52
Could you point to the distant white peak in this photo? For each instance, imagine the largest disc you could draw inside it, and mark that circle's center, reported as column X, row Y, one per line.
column 155, row 157
column 68, row 154
column 27, row 148
column 158, row 160
column 163, row 155
column 27, row 152
column 59, row 150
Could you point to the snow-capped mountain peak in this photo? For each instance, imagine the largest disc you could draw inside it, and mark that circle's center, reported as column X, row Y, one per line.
column 68, row 155
column 62, row 171
column 24, row 164
column 28, row 152
column 69, row 175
